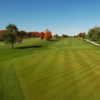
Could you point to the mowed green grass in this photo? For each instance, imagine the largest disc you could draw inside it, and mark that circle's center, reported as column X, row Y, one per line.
column 67, row 69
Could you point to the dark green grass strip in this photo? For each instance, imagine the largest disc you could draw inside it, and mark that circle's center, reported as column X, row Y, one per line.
column 96, row 52
column 11, row 86
column 1, row 84
column 70, row 78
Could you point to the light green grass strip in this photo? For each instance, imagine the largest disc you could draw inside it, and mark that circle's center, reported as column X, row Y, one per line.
column 64, row 69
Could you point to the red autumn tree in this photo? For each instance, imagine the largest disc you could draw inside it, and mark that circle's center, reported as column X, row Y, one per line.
column 42, row 35
column 0, row 33
column 48, row 35
column 80, row 35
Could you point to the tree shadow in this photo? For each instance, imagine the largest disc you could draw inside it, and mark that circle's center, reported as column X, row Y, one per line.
column 26, row 47
column 53, row 40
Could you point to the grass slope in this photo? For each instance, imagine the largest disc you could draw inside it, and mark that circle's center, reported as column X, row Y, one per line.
column 65, row 69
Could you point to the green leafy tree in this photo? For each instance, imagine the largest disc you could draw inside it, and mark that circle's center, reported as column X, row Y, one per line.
column 94, row 33
column 12, row 28
column 66, row 35
column 83, row 35
column 56, row 36
column 28, row 35
column 9, row 36
column 21, row 33
column 63, row 35
column 37, row 35
column 59, row 37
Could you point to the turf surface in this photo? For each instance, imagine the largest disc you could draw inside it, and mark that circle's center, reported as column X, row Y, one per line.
column 66, row 69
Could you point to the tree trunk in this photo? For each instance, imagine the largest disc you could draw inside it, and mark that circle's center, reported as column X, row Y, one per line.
column 12, row 45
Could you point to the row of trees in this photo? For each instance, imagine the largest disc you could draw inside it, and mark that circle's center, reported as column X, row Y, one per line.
column 56, row 36
column 63, row 35
column 93, row 34
column 83, row 35
column 31, row 34
column 47, row 35
column 11, row 35
column 23, row 34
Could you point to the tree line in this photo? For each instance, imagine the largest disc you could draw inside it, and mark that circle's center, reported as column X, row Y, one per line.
column 83, row 35
column 12, row 35
column 93, row 34
column 63, row 35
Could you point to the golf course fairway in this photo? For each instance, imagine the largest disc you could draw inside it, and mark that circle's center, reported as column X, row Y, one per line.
column 62, row 69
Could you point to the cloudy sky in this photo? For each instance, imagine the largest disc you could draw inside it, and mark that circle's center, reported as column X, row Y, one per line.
column 59, row 16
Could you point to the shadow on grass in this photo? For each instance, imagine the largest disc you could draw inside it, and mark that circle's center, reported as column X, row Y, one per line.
column 52, row 40
column 26, row 47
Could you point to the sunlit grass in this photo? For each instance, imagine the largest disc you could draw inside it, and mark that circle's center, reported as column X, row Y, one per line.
column 67, row 69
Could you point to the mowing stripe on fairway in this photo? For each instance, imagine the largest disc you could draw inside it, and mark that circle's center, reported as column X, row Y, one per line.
column 87, row 71
column 64, row 69
column 33, row 72
column 11, row 87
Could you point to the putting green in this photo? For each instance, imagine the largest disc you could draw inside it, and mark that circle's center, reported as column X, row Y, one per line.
column 67, row 69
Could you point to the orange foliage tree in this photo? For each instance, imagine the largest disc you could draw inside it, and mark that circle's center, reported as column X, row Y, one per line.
column 32, row 34
column 80, row 35
column 75, row 35
column 46, row 30
column 48, row 35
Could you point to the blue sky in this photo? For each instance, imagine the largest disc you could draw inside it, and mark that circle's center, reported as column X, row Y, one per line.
column 59, row 16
